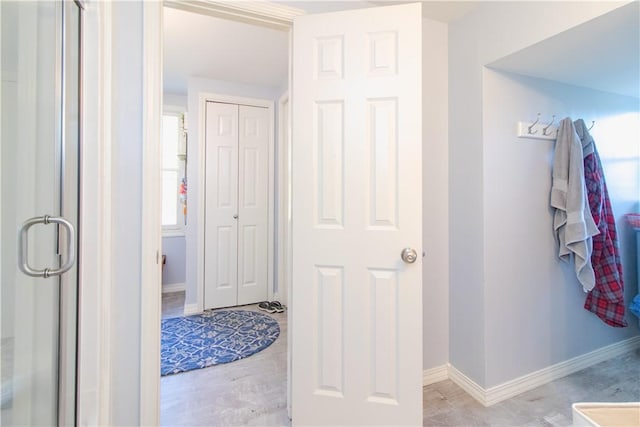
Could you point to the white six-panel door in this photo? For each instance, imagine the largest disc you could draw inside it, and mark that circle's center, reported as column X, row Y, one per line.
column 236, row 204
column 357, row 306
column 221, row 198
column 252, row 204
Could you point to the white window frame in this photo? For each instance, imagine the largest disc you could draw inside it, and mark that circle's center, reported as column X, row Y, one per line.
column 179, row 228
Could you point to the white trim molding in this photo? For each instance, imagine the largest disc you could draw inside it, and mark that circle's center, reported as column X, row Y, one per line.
column 191, row 309
column 543, row 376
column 261, row 13
column 94, row 332
column 172, row 233
column 509, row 389
column 151, row 250
column 467, row 384
column 271, row 202
column 283, row 244
column 436, row 374
column 173, row 287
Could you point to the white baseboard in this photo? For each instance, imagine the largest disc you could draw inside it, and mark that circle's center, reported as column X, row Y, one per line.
column 434, row 375
column 514, row 387
column 467, row 384
column 543, row 376
column 191, row 309
column 173, row 287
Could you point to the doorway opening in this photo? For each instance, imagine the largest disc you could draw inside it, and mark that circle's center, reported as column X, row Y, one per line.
column 214, row 61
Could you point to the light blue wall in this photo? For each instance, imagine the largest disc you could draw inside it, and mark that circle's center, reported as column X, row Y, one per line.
column 488, row 33
column 534, row 315
column 435, row 191
column 174, row 248
column 466, row 272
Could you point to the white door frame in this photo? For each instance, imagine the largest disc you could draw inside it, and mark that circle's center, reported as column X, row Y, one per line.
column 94, row 399
column 284, row 199
column 203, row 98
column 94, row 335
column 151, row 250
column 96, row 314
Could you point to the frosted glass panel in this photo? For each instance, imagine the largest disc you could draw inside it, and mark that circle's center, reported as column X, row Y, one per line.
column 39, row 134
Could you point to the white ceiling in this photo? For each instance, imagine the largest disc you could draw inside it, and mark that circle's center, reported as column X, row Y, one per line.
column 209, row 47
column 602, row 54
column 443, row 11
column 204, row 46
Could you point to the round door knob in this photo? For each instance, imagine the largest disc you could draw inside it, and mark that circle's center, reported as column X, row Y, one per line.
column 409, row 255
column 235, row 216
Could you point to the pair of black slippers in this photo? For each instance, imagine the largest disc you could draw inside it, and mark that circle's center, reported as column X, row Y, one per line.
column 271, row 306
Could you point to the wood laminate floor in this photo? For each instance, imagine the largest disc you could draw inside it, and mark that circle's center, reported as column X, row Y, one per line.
column 253, row 391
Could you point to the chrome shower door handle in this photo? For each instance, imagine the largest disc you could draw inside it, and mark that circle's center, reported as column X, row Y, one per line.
column 23, row 246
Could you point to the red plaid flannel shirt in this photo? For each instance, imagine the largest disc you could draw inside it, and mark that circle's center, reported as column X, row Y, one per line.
column 606, row 299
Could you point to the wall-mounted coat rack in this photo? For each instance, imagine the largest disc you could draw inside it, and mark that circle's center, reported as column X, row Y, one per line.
column 538, row 130
column 541, row 130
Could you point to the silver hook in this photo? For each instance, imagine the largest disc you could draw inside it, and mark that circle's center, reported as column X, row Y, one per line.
column 593, row 123
column 533, row 124
column 544, row 130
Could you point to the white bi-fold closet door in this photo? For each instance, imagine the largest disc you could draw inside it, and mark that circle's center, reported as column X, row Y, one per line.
column 236, row 204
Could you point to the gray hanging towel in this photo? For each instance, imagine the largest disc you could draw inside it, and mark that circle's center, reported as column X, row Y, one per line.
column 573, row 224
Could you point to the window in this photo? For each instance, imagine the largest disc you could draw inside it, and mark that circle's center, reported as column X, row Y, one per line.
column 173, row 167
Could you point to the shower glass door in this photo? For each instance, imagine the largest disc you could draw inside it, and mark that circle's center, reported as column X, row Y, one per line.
column 39, row 155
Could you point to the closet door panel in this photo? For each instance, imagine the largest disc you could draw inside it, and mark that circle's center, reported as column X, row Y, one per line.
column 253, row 200
column 221, row 201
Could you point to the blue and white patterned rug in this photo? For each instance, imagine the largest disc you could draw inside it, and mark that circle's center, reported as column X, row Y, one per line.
column 212, row 338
